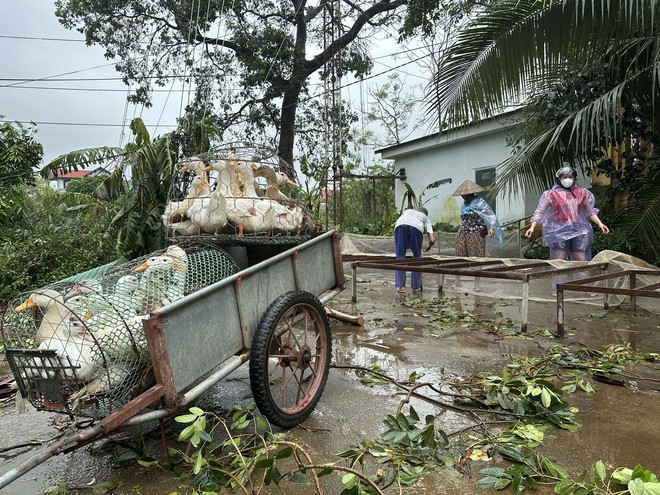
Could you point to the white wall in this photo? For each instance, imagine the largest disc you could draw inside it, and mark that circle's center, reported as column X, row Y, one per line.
column 457, row 156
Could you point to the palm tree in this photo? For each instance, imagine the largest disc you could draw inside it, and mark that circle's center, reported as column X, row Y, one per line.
column 143, row 197
column 516, row 51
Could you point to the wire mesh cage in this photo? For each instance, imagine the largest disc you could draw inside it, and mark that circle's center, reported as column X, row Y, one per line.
column 78, row 346
column 236, row 190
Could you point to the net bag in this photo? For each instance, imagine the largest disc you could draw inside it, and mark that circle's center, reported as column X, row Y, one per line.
column 78, row 346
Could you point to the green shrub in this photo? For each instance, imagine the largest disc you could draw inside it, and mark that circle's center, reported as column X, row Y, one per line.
column 537, row 252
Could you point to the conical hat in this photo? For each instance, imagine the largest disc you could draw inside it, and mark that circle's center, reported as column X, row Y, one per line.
column 468, row 187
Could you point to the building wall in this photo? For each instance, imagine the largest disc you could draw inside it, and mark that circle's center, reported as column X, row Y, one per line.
column 457, row 157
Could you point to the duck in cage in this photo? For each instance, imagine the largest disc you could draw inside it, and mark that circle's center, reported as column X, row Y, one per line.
column 80, row 347
column 225, row 196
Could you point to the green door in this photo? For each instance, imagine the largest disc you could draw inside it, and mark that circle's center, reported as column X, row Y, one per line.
column 485, row 177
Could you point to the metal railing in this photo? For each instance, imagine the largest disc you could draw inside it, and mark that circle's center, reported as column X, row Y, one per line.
column 520, row 223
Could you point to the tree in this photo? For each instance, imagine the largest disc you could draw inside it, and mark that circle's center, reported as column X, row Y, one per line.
column 20, row 155
column 517, row 50
column 253, row 56
column 60, row 234
column 392, row 109
column 150, row 163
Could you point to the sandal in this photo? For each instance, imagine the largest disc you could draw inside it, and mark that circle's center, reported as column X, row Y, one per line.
column 401, row 290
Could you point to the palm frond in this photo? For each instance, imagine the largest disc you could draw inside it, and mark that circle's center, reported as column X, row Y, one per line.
column 80, row 159
column 640, row 218
column 515, row 43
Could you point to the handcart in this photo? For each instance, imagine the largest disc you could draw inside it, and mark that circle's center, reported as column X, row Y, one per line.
column 269, row 312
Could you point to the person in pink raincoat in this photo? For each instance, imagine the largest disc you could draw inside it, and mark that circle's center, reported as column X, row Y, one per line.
column 565, row 211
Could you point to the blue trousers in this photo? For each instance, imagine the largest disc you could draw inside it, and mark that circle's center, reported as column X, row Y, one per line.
column 407, row 237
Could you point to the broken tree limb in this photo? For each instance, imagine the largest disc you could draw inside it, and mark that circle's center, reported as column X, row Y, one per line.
column 338, row 315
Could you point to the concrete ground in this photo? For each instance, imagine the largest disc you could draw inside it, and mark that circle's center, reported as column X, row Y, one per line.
column 619, row 424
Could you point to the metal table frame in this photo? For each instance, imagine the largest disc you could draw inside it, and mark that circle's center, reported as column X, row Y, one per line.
column 586, row 285
column 494, row 268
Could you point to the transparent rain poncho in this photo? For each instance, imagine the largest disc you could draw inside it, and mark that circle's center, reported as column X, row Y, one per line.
column 483, row 209
column 565, row 214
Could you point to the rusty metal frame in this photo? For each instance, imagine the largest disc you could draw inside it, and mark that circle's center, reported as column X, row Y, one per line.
column 494, row 268
column 586, row 285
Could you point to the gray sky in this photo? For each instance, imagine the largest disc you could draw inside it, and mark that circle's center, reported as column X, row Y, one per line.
column 47, row 59
column 83, row 102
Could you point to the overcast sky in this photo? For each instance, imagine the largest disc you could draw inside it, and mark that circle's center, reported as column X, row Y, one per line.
column 31, row 58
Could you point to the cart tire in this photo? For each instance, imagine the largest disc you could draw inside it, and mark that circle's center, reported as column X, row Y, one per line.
column 290, row 358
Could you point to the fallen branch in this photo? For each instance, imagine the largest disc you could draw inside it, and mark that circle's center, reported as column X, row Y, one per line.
column 29, row 444
column 346, row 318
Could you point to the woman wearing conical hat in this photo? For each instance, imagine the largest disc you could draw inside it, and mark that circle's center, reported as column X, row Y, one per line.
column 478, row 220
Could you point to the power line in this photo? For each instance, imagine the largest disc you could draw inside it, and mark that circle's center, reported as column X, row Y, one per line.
column 83, row 124
column 6, row 36
column 104, row 90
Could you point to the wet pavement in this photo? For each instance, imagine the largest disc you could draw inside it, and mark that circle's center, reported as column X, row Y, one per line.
column 619, row 424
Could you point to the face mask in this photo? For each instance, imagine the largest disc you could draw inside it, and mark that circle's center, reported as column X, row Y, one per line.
column 567, row 183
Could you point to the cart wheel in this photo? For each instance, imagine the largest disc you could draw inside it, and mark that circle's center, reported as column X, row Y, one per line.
column 290, row 358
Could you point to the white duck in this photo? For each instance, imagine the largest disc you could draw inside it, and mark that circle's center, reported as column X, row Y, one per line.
column 75, row 347
column 246, row 174
column 230, row 180
column 196, row 166
column 212, row 217
column 124, row 341
column 55, row 314
column 107, row 379
column 197, row 198
column 163, row 281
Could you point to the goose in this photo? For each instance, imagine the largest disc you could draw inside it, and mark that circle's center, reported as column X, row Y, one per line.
column 290, row 218
column 73, row 344
column 55, row 314
column 272, row 191
column 282, row 179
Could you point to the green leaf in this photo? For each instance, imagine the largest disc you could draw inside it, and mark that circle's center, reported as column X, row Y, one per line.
column 325, row 471
column 495, row 472
column 349, row 480
column 186, row 418
column 413, row 414
column 600, row 470
column 261, row 424
column 298, row 478
column 198, row 462
column 622, row 475
column 546, row 398
column 125, row 458
column 264, row 463
column 651, row 488
column 147, row 462
column 284, row 453
column 104, row 487
column 197, row 411
column 636, row 487
column 487, row 482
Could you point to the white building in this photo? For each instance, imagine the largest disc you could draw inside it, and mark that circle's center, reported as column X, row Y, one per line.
column 472, row 152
